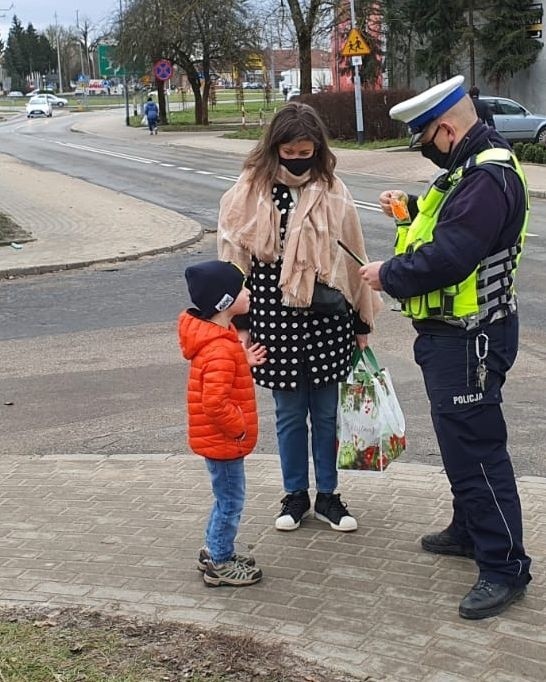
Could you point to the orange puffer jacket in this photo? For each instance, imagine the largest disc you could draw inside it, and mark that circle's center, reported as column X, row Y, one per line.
column 222, row 416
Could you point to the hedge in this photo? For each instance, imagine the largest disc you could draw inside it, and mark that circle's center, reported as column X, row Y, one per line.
column 529, row 152
column 337, row 110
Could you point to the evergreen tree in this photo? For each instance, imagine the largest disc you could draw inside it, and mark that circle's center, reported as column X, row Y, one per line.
column 26, row 52
column 504, row 42
column 14, row 55
column 441, row 30
column 402, row 20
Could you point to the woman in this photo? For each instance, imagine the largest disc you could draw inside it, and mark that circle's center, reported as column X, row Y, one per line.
column 280, row 223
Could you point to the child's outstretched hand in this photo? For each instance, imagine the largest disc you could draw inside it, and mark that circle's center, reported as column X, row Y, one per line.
column 255, row 354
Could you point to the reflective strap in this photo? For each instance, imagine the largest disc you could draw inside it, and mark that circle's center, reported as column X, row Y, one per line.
column 487, row 273
column 500, row 284
column 500, row 256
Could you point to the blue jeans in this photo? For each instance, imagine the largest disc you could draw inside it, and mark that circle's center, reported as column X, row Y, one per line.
column 292, row 409
column 228, row 486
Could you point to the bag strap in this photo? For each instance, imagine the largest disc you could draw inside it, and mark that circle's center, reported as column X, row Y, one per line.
column 357, row 358
column 371, row 360
column 367, row 358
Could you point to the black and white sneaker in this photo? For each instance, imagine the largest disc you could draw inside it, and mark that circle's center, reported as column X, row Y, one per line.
column 330, row 508
column 295, row 507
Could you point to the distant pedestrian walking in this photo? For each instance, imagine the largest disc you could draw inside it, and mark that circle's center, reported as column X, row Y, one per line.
column 223, row 423
column 482, row 108
column 151, row 111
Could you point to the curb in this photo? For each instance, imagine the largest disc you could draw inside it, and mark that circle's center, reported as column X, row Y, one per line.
column 44, row 269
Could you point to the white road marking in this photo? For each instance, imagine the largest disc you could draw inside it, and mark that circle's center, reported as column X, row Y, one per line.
column 105, row 152
column 364, row 205
column 367, row 206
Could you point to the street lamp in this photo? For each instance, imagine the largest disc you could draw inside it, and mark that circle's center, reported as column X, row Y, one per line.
column 58, row 54
column 124, row 67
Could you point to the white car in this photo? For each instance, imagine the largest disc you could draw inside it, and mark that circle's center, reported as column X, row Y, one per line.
column 56, row 101
column 39, row 106
column 294, row 92
column 15, row 93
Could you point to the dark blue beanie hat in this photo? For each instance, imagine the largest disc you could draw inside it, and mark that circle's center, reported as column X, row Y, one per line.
column 214, row 285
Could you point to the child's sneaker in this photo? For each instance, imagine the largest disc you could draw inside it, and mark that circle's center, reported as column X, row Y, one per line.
column 231, row 573
column 205, row 558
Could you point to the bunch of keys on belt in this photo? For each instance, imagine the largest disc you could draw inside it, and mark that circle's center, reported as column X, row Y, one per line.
column 482, row 349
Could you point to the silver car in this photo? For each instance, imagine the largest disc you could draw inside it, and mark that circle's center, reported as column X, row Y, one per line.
column 515, row 122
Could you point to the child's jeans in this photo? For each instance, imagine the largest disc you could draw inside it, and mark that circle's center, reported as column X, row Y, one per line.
column 228, row 485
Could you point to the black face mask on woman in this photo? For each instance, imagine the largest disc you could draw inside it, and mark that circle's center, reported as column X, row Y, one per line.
column 298, row 166
column 431, row 152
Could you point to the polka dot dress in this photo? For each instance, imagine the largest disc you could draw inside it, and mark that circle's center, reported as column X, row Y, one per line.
column 299, row 343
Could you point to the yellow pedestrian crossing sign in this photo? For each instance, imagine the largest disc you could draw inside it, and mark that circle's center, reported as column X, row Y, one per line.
column 355, row 45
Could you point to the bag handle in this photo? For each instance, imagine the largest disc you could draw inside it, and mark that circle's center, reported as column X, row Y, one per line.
column 357, row 357
column 371, row 360
column 368, row 359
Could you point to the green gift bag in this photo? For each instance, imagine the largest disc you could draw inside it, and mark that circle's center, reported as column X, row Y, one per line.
column 371, row 429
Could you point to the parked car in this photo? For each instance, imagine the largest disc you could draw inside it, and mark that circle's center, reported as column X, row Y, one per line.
column 293, row 93
column 515, row 122
column 15, row 93
column 56, row 101
column 39, row 106
column 296, row 91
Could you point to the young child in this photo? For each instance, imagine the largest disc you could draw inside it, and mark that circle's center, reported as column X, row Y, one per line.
column 222, row 416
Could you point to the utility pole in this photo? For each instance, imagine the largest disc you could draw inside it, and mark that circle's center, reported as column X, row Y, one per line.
column 80, row 42
column 58, row 55
column 471, row 43
column 358, row 87
column 124, row 67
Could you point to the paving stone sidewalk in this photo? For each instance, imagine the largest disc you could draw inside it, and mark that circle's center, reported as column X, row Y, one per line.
column 76, row 223
column 122, row 533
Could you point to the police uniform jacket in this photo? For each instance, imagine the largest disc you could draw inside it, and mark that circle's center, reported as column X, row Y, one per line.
column 483, row 215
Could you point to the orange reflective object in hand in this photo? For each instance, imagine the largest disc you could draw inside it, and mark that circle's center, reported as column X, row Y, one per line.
column 399, row 209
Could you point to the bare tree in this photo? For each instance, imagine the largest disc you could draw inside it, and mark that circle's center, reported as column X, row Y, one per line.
column 197, row 35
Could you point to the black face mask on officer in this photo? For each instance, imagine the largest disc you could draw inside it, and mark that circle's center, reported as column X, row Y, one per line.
column 298, row 166
column 430, row 151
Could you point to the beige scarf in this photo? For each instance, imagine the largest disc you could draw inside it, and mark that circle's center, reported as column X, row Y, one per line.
column 249, row 225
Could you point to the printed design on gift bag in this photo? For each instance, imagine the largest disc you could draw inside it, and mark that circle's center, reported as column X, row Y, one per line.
column 371, row 426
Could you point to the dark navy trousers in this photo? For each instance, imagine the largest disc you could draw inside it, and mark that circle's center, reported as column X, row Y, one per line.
column 471, row 433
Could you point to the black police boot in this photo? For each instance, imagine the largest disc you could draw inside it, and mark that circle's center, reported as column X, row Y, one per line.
column 487, row 599
column 444, row 543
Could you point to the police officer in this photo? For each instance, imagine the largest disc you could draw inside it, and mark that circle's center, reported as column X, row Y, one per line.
column 456, row 254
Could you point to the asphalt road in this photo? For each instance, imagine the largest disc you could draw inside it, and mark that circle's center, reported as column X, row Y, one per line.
column 90, row 358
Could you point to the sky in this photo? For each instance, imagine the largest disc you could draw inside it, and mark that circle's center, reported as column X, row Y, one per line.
column 41, row 13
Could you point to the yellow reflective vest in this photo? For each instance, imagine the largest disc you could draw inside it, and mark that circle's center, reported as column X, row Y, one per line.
column 468, row 303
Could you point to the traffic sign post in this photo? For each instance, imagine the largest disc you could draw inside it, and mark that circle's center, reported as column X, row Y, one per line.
column 356, row 47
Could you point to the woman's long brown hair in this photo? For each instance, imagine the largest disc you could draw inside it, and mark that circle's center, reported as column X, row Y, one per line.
column 293, row 123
